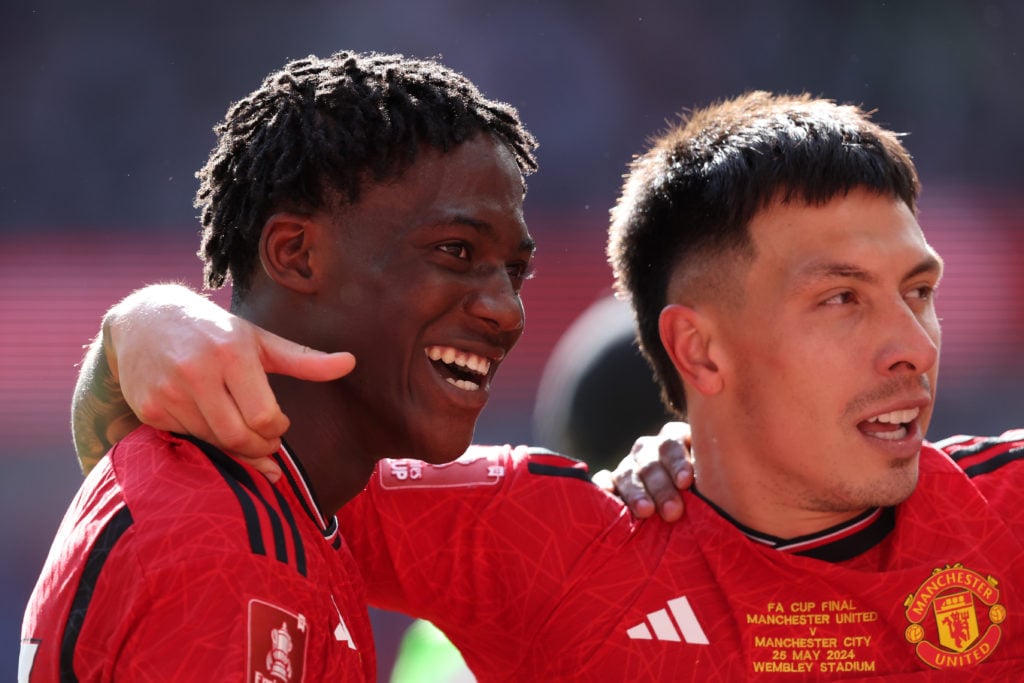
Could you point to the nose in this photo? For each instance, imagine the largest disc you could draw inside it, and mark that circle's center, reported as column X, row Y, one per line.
column 911, row 341
column 497, row 302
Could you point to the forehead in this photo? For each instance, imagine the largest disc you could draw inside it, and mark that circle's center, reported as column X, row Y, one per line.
column 861, row 232
column 477, row 183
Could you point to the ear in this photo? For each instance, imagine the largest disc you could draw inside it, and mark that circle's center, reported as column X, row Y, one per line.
column 686, row 336
column 288, row 251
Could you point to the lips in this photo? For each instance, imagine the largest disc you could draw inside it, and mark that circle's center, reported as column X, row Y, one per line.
column 462, row 369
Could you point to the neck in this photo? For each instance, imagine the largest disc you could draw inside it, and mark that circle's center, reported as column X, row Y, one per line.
column 324, row 441
column 730, row 476
column 323, row 435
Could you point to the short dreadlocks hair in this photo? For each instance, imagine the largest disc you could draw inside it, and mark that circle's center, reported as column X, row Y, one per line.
column 320, row 128
column 690, row 198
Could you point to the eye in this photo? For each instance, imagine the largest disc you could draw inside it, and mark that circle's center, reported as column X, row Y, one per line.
column 459, row 250
column 840, row 298
column 922, row 293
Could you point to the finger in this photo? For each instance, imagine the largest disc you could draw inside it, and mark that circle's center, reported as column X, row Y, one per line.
column 631, row 490
column 267, row 467
column 193, row 422
column 285, row 357
column 673, row 456
column 187, row 421
column 196, row 396
column 248, row 386
column 229, row 428
column 683, row 475
column 659, row 485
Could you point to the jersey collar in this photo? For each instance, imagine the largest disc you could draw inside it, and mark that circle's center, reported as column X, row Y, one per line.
column 836, row 544
column 295, row 478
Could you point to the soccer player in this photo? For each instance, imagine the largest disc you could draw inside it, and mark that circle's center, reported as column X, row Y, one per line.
column 784, row 294
column 363, row 202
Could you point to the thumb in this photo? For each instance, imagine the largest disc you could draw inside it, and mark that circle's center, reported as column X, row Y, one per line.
column 283, row 357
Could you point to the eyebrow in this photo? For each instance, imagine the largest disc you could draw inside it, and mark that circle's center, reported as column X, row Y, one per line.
column 485, row 228
column 807, row 276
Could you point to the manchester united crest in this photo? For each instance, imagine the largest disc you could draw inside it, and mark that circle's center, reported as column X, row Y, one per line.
column 955, row 617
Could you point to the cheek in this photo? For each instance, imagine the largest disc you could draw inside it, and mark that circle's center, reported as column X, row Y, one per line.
column 797, row 380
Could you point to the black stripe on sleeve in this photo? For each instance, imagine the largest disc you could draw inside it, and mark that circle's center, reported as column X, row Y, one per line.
column 239, row 481
column 252, row 518
column 981, row 446
column 995, row 462
column 98, row 555
column 556, row 471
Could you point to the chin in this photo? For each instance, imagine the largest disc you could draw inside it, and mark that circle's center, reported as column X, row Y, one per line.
column 439, row 449
column 885, row 490
column 895, row 488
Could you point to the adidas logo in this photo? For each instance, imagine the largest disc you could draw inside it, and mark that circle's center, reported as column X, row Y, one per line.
column 682, row 625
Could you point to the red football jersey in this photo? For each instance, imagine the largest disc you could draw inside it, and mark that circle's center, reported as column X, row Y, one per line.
column 176, row 563
column 535, row 574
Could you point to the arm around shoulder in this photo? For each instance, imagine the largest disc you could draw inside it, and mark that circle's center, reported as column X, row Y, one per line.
column 102, row 412
column 100, row 416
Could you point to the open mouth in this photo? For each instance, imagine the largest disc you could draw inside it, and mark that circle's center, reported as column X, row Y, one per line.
column 891, row 426
column 461, row 369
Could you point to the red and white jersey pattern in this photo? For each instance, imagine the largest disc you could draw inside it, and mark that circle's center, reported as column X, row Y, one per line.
column 535, row 574
column 177, row 563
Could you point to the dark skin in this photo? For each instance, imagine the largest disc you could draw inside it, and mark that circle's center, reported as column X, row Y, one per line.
column 385, row 278
column 650, row 478
column 289, row 252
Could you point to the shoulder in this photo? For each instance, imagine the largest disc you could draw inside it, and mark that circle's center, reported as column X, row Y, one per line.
column 485, row 475
column 499, row 483
column 992, row 465
column 188, row 499
column 983, row 455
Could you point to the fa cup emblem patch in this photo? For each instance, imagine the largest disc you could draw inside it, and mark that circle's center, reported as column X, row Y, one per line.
column 277, row 644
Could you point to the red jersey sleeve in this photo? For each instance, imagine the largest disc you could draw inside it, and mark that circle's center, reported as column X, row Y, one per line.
column 995, row 465
column 483, row 546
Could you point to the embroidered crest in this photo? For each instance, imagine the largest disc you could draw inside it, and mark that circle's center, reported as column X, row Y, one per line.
column 277, row 644
column 955, row 617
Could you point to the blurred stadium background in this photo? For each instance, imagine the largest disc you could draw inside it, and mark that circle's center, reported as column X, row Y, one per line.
column 109, row 112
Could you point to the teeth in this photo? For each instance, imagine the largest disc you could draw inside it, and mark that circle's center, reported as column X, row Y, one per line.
column 900, row 433
column 897, row 416
column 463, row 384
column 462, row 359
